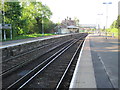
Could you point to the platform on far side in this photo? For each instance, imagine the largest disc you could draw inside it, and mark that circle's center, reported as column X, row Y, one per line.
column 29, row 40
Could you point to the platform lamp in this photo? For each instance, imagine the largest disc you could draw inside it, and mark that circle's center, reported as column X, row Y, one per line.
column 43, row 12
column 106, row 3
column 42, row 26
column 100, row 14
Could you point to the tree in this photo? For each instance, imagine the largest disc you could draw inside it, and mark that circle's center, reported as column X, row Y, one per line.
column 114, row 24
column 43, row 15
column 118, row 22
column 76, row 21
column 36, row 14
column 49, row 26
column 12, row 12
column 27, row 17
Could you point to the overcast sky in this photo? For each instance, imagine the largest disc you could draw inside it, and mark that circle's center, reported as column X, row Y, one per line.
column 85, row 10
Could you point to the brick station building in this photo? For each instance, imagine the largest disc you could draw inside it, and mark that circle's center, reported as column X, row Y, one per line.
column 68, row 26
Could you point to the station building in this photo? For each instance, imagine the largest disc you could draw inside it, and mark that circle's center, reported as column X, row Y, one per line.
column 67, row 26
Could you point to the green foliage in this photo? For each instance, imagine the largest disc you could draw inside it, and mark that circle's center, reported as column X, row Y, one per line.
column 27, row 17
column 114, row 24
column 93, row 29
column 12, row 12
column 35, row 15
column 1, row 6
column 118, row 22
column 115, row 27
column 113, row 30
column 29, row 36
column 49, row 26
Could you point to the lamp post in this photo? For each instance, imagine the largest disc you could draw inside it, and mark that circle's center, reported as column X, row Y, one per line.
column 99, row 23
column 43, row 12
column 42, row 26
column 107, row 3
column 3, row 13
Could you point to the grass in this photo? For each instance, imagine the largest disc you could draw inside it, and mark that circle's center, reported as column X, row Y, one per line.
column 115, row 31
column 27, row 36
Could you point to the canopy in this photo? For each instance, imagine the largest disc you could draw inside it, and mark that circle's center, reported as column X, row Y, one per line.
column 72, row 26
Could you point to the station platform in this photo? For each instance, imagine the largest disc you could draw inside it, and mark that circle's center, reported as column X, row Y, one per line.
column 28, row 40
column 97, row 65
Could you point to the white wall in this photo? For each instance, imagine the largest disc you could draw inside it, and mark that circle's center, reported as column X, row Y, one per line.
column 64, row 30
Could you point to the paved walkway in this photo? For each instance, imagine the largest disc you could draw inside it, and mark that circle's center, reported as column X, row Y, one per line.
column 105, row 60
column 23, row 40
column 104, row 67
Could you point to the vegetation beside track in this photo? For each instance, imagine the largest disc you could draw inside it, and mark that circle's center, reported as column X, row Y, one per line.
column 29, row 36
column 113, row 30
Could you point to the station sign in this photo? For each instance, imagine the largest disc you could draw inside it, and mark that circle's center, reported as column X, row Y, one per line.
column 0, row 26
column 5, row 26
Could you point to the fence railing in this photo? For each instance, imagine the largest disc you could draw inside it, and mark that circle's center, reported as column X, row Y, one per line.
column 108, row 34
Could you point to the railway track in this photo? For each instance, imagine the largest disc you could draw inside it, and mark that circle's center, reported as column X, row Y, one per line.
column 18, row 65
column 45, row 64
column 16, row 60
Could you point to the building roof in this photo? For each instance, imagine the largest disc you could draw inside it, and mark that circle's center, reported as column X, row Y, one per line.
column 67, row 22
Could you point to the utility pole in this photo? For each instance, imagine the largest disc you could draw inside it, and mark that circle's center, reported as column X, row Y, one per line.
column 42, row 26
column 3, row 23
column 43, row 21
column 106, row 3
column 99, row 23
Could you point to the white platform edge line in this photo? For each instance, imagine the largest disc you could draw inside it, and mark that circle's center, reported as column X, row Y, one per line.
column 76, row 68
column 25, row 42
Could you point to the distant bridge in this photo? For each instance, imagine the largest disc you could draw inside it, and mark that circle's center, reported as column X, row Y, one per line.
column 87, row 25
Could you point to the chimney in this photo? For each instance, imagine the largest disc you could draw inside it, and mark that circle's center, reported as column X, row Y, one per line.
column 67, row 17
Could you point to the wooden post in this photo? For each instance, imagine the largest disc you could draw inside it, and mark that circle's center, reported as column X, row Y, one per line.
column 113, row 35
column 4, row 35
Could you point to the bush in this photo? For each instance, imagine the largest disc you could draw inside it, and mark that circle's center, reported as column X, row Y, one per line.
column 113, row 30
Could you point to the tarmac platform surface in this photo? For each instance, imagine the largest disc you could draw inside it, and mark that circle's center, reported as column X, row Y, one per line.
column 97, row 65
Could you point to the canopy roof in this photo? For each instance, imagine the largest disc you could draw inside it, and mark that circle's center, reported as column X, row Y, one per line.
column 72, row 26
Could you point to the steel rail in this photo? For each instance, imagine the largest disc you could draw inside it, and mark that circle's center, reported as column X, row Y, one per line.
column 34, row 49
column 17, row 82
column 24, row 84
column 41, row 64
column 53, row 57
column 66, row 70
column 4, row 73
